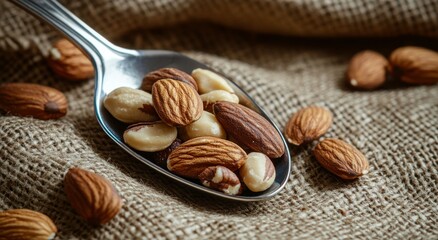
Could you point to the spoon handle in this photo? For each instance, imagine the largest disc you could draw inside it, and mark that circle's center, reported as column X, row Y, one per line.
column 96, row 46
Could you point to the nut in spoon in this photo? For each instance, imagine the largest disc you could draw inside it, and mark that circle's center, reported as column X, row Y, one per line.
column 116, row 67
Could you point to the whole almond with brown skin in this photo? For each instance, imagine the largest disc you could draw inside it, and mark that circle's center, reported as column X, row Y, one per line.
column 249, row 129
column 194, row 156
column 367, row 70
column 176, row 103
column 308, row 124
column 92, row 196
column 167, row 73
column 67, row 61
column 26, row 224
column 415, row 65
column 26, row 99
column 341, row 158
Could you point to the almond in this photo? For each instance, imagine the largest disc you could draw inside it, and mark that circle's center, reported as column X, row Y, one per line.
column 341, row 158
column 367, row 70
column 415, row 65
column 26, row 99
column 92, row 196
column 194, row 156
column 26, row 224
column 67, row 61
column 167, row 73
column 176, row 103
column 249, row 129
column 308, row 124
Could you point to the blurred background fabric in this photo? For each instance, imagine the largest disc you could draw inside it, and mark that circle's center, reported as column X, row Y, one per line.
column 287, row 54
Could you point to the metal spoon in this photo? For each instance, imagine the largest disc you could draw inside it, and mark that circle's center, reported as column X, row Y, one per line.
column 115, row 67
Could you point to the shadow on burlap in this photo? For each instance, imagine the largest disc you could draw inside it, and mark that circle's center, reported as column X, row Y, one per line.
column 395, row 127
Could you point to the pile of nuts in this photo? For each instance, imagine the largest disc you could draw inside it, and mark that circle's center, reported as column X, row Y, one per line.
column 194, row 126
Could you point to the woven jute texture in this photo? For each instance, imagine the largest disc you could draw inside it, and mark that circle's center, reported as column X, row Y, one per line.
column 269, row 48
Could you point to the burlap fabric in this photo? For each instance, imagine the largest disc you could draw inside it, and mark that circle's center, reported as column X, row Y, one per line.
column 395, row 127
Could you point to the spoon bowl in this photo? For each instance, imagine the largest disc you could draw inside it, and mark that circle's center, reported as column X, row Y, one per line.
column 116, row 67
